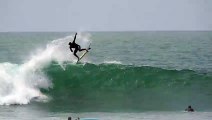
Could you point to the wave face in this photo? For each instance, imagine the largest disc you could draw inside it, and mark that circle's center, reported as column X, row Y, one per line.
column 107, row 87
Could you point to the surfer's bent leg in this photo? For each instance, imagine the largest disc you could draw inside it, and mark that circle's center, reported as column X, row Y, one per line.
column 81, row 49
column 75, row 51
column 71, row 49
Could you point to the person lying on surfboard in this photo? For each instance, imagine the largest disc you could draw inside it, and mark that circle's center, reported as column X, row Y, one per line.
column 189, row 109
column 76, row 46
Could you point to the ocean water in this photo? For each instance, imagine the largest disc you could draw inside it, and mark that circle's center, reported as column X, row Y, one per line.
column 125, row 75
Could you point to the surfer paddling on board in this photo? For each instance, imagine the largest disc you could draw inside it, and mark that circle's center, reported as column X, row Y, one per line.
column 189, row 109
column 76, row 46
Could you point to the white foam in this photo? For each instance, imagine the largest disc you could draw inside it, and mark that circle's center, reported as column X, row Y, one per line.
column 19, row 84
column 113, row 62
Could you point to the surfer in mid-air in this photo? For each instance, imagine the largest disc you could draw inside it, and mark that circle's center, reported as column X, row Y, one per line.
column 76, row 46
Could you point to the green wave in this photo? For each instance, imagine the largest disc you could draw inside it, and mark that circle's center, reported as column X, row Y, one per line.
column 116, row 87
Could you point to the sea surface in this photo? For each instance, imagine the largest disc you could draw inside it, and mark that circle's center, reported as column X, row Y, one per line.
column 125, row 76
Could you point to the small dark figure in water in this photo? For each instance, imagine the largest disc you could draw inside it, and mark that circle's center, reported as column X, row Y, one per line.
column 69, row 118
column 76, row 46
column 189, row 109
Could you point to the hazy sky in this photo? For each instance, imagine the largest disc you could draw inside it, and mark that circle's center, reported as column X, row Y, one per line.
column 105, row 15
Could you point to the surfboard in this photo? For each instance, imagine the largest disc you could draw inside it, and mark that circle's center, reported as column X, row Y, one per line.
column 83, row 54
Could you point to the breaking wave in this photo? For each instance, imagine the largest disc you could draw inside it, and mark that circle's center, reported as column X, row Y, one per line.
column 21, row 83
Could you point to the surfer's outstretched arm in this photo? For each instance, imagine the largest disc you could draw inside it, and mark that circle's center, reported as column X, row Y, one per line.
column 74, row 38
